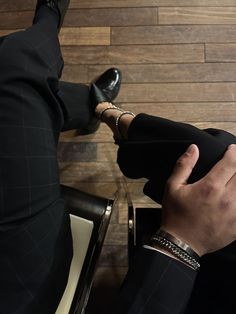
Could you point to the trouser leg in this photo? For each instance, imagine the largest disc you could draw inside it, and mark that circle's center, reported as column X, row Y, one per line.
column 153, row 146
column 76, row 105
column 35, row 234
column 30, row 114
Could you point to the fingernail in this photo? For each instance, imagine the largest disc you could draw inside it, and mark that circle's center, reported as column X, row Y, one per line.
column 190, row 149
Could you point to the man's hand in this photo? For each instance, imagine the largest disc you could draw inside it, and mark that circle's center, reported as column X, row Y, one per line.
column 202, row 214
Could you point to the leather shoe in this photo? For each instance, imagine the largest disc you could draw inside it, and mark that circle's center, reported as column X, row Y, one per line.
column 109, row 83
column 59, row 6
column 104, row 89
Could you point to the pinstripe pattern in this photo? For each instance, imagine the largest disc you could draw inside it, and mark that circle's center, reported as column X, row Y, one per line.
column 156, row 284
column 35, row 241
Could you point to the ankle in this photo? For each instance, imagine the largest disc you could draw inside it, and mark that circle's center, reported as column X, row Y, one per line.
column 123, row 122
column 116, row 118
column 101, row 106
column 106, row 110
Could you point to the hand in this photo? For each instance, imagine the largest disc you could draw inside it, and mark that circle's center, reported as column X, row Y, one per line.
column 202, row 214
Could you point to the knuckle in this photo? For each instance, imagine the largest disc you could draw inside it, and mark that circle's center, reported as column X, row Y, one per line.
column 179, row 162
column 185, row 167
column 182, row 162
column 209, row 188
column 224, row 205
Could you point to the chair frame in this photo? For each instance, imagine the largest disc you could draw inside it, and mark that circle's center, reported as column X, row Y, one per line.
column 142, row 223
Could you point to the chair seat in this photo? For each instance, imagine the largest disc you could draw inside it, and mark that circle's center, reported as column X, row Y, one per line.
column 81, row 234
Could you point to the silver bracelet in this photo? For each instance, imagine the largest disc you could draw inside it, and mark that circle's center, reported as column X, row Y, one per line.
column 178, row 248
column 185, row 247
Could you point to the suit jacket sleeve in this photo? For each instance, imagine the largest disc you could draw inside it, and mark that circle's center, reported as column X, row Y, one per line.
column 156, row 284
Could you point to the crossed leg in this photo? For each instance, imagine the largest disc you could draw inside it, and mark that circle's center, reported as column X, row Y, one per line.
column 158, row 143
column 150, row 149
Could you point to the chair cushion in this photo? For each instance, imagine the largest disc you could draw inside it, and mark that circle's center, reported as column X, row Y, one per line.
column 81, row 234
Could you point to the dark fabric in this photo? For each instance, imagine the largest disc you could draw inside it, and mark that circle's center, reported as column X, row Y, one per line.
column 75, row 103
column 158, row 143
column 157, row 284
column 35, row 236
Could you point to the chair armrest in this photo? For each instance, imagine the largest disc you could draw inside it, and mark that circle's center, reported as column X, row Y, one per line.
column 83, row 204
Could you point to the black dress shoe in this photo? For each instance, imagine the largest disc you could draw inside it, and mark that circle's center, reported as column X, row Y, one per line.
column 109, row 83
column 59, row 6
column 98, row 96
column 104, row 89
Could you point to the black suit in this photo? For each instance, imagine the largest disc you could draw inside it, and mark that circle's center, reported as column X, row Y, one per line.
column 158, row 143
column 35, row 241
column 155, row 284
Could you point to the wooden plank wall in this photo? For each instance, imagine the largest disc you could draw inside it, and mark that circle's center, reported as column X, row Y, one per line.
column 178, row 60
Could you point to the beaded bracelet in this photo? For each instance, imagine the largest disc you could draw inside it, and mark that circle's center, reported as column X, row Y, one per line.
column 118, row 120
column 111, row 107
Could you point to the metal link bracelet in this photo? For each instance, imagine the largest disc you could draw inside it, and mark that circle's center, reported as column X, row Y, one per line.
column 177, row 247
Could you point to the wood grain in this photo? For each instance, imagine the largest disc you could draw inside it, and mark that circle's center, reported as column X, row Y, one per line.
column 114, row 255
column 104, row 135
column 178, row 92
column 221, row 52
column 74, row 4
column 116, row 235
column 200, row 112
column 15, row 20
column 114, row 17
column 149, row 3
column 173, row 34
column 91, row 171
column 197, row 15
column 157, row 73
column 85, row 36
column 140, row 54
column 16, row 5
column 109, row 189
column 101, row 188
column 78, row 36
column 86, row 17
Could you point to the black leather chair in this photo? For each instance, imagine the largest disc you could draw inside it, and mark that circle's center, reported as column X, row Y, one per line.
column 90, row 216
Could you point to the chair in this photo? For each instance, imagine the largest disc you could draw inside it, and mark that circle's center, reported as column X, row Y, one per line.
column 142, row 224
column 90, row 216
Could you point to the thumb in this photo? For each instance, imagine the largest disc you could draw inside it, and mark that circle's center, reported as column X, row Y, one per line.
column 184, row 166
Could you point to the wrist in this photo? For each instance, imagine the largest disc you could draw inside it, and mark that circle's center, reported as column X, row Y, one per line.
column 189, row 239
column 176, row 247
column 162, row 250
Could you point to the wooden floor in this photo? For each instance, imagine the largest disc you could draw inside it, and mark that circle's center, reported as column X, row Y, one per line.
column 178, row 60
